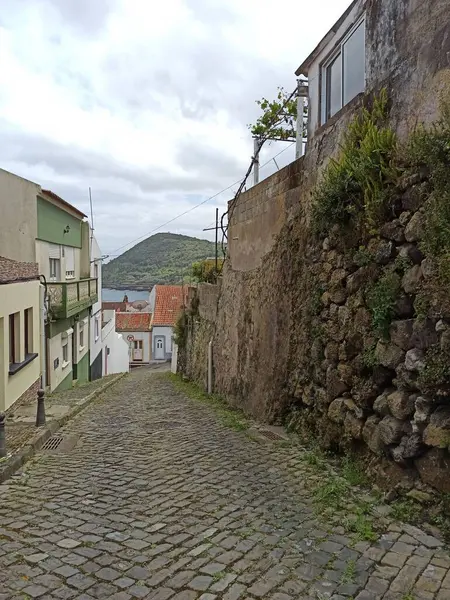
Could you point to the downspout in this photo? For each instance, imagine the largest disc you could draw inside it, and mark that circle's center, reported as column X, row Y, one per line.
column 210, row 356
column 42, row 311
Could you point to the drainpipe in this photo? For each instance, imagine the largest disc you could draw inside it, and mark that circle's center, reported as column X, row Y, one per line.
column 210, row 355
column 42, row 294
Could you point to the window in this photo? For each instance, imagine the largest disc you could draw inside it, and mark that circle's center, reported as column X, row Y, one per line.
column 81, row 336
column 343, row 74
column 28, row 331
column 97, row 328
column 65, row 350
column 96, row 270
column 55, row 269
column 70, row 262
column 13, row 338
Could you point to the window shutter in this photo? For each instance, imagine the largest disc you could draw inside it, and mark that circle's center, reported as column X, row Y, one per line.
column 54, row 251
column 70, row 259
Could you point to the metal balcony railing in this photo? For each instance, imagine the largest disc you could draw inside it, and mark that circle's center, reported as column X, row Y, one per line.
column 68, row 298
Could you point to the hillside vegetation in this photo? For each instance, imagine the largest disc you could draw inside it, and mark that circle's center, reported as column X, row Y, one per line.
column 162, row 258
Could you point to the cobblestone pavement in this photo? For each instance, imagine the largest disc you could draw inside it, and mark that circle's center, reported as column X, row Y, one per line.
column 159, row 500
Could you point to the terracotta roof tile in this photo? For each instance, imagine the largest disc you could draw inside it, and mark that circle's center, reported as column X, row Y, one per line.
column 168, row 303
column 127, row 321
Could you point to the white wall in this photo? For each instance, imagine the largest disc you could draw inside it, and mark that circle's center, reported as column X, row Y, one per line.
column 174, row 362
column 117, row 360
column 152, row 299
column 81, row 350
column 139, row 335
column 96, row 342
column 167, row 333
column 55, row 352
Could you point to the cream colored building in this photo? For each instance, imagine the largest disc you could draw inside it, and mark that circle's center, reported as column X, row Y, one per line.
column 20, row 310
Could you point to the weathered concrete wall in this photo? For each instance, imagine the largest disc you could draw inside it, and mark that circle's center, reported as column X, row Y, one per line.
column 259, row 216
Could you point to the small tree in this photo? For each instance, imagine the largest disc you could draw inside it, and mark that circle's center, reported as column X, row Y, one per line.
column 279, row 118
column 205, row 271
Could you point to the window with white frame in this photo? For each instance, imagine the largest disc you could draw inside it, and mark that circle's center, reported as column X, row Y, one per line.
column 343, row 73
column 97, row 328
column 65, row 340
column 54, row 255
column 81, row 336
column 65, row 351
column 70, row 262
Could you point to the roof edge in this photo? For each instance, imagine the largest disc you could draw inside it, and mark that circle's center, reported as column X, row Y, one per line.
column 64, row 203
column 304, row 67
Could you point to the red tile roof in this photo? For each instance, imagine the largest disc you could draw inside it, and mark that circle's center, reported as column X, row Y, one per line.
column 133, row 321
column 168, row 303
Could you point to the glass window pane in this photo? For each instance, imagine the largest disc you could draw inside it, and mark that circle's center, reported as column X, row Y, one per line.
column 334, row 87
column 354, row 64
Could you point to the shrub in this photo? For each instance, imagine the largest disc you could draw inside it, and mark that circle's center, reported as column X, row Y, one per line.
column 429, row 150
column 381, row 299
column 359, row 183
column 180, row 330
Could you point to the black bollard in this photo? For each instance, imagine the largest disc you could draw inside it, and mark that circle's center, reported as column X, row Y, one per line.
column 40, row 416
column 2, row 436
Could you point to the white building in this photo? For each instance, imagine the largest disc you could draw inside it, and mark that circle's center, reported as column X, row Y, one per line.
column 166, row 302
column 108, row 349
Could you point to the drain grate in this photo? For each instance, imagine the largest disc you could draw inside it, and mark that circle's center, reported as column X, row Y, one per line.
column 53, row 442
column 60, row 443
column 270, row 435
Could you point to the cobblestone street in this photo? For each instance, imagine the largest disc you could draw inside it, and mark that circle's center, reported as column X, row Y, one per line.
column 159, row 500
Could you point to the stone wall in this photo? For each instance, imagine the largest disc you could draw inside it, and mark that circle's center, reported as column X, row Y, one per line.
column 294, row 336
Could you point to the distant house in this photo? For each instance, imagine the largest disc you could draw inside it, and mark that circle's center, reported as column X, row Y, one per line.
column 116, row 306
column 166, row 302
column 135, row 328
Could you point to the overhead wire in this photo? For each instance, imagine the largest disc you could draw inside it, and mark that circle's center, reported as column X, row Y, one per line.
column 142, row 237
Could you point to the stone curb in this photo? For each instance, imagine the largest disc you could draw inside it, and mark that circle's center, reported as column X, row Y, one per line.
column 17, row 460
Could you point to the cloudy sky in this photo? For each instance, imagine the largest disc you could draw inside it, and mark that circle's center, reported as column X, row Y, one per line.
column 145, row 101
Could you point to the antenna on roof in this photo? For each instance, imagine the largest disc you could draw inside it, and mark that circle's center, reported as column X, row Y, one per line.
column 92, row 219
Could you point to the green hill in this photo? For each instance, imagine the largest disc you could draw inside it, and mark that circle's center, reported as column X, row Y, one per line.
column 162, row 258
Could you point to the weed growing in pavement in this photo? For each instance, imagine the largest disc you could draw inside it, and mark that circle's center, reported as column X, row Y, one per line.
column 353, row 472
column 361, row 524
column 331, row 494
column 230, row 417
column 348, row 576
column 408, row 596
column 218, row 576
column 406, row 510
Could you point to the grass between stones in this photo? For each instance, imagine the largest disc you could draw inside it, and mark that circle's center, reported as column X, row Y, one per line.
column 229, row 416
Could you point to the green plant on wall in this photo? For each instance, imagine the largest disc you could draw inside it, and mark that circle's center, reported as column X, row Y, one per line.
column 429, row 150
column 180, row 330
column 381, row 299
column 359, row 183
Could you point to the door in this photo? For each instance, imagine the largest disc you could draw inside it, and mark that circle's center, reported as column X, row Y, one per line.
column 138, row 351
column 160, row 351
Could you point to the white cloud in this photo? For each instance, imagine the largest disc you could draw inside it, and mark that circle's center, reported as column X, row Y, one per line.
column 145, row 102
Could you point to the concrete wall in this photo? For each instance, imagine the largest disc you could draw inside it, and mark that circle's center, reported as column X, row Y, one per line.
column 96, row 344
column 19, row 217
column 15, row 298
column 259, row 215
column 139, row 335
column 60, row 373
column 166, row 333
column 115, row 350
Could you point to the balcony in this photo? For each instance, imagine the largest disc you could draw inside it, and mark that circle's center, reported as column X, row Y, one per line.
column 69, row 298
